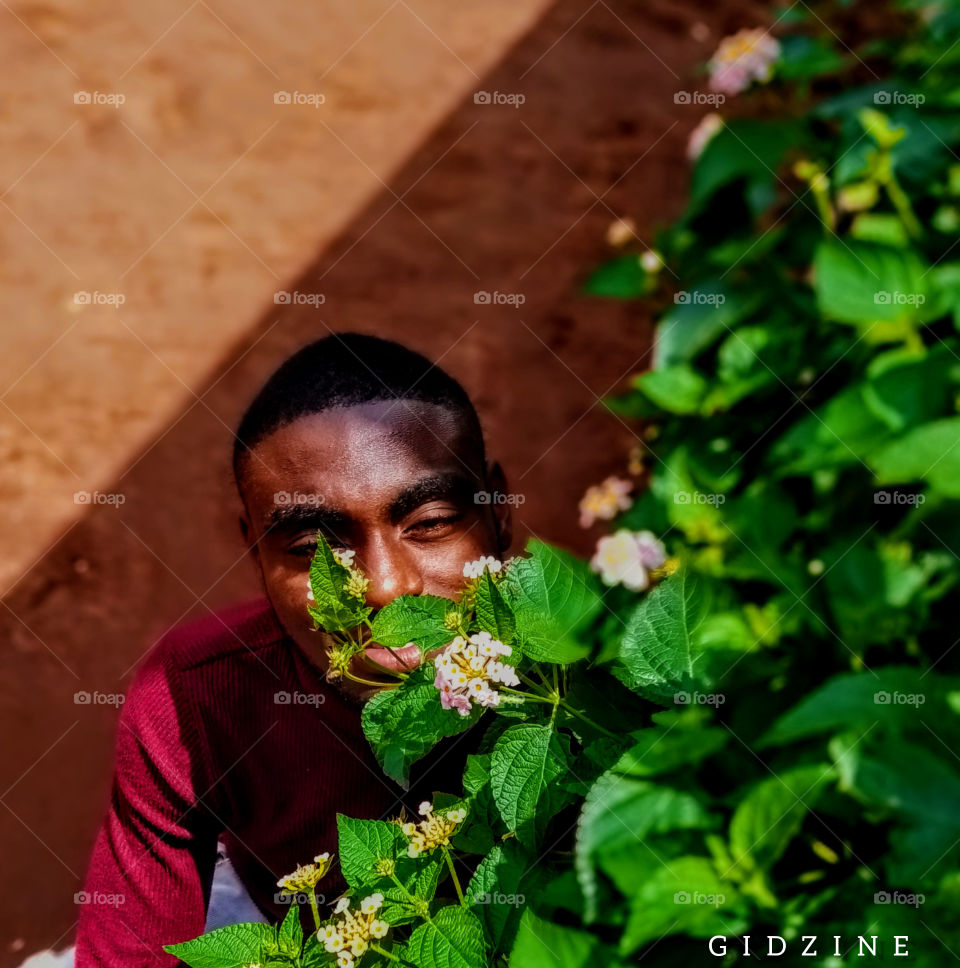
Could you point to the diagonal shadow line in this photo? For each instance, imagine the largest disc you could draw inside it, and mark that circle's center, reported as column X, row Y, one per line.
column 380, row 275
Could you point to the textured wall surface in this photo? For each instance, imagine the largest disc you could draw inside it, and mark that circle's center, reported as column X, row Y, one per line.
column 197, row 199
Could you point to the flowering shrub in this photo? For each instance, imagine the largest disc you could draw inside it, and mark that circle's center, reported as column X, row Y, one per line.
column 763, row 743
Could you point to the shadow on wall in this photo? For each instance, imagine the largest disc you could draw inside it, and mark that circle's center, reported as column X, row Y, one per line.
column 473, row 256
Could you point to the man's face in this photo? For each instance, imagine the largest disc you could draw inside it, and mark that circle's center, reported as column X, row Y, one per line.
column 394, row 481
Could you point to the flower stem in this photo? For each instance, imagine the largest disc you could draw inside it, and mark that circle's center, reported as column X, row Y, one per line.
column 314, row 908
column 587, row 719
column 407, row 894
column 533, row 685
column 364, row 682
column 453, row 873
column 533, row 697
column 904, row 209
column 389, row 955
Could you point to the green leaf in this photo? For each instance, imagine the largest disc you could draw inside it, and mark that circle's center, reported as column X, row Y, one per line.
column 620, row 811
column 659, row 655
column 623, row 278
column 413, row 618
column 290, row 934
column 929, row 453
column 553, row 596
column 362, row 843
column 906, row 388
column 865, row 284
column 493, row 613
column 234, row 946
column 541, row 944
column 769, row 816
column 743, row 150
column 910, row 782
column 674, row 389
column 495, row 890
column 689, row 327
column 402, row 725
column 883, row 229
column 452, row 939
column 658, row 750
column 683, row 895
column 841, row 432
column 332, row 609
column 896, row 697
column 527, row 761
column 803, row 57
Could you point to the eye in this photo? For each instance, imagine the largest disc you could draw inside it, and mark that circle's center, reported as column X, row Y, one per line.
column 306, row 545
column 435, row 525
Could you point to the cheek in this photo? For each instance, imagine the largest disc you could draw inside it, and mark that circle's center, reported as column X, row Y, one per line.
column 441, row 567
column 287, row 589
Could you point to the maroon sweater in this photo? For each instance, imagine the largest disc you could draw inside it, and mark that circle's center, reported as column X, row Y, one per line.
column 206, row 750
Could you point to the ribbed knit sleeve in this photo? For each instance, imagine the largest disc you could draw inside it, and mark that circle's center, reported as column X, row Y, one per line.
column 149, row 878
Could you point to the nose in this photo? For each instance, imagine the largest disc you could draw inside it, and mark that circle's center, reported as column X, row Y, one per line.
column 392, row 572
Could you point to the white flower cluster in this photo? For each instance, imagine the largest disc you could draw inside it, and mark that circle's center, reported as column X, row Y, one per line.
column 432, row 832
column 349, row 937
column 467, row 668
column 474, row 569
column 306, row 876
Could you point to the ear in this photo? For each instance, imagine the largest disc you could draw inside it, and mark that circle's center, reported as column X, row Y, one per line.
column 246, row 534
column 502, row 513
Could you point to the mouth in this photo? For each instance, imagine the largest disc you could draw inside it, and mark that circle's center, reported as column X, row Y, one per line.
column 380, row 659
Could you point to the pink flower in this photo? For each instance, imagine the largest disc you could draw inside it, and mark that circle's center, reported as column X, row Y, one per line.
column 741, row 59
column 708, row 126
column 625, row 558
column 603, row 502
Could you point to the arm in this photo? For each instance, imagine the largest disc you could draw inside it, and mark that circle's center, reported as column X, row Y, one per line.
column 149, row 878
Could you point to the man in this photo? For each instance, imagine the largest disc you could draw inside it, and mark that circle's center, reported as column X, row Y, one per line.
column 231, row 732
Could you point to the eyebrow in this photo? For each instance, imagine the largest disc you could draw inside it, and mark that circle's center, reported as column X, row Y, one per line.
column 452, row 486
column 316, row 517
column 305, row 517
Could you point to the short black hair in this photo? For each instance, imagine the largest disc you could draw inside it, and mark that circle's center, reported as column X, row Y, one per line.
column 343, row 370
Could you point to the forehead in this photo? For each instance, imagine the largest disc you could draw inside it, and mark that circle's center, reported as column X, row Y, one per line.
column 363, row 453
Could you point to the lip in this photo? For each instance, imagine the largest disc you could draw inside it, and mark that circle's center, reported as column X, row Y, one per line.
column 404, row 659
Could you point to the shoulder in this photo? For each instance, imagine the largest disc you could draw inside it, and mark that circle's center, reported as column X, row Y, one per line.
column 208, row 649
column 250, row 627
column 183, row 676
